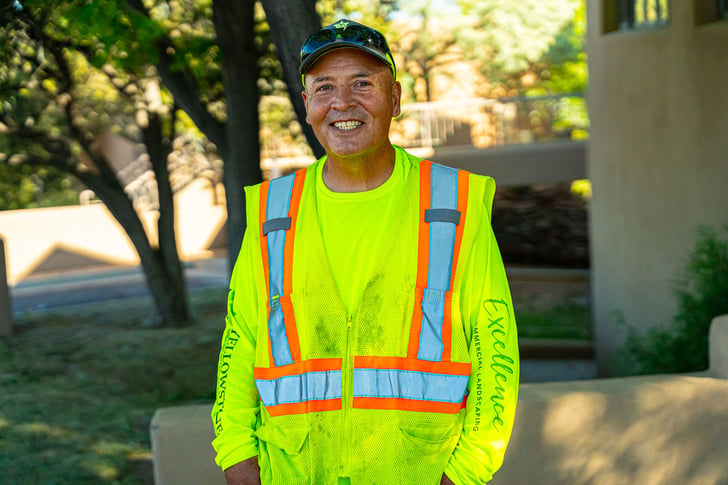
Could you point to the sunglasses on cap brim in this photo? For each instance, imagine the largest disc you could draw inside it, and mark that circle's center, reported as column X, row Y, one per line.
column 353, row 35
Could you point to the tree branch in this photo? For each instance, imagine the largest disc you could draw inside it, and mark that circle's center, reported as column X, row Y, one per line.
column 58, row 147
column 66, row 79
column 290, row 24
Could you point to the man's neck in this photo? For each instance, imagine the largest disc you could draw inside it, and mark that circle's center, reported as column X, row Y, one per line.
column 359, row 174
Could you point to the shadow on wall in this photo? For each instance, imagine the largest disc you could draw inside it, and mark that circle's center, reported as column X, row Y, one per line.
column 646, row 430
column 218, row 237
column 61, row 257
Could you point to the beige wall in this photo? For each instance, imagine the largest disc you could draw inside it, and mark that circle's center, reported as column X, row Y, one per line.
column 657, row 158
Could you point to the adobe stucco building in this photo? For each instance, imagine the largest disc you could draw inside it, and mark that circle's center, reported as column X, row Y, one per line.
column 657, row 157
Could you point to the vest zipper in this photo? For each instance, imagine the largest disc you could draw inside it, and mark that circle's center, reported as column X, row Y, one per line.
column 347, row 393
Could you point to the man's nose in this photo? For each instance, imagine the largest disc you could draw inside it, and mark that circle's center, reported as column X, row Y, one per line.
column 343, row 100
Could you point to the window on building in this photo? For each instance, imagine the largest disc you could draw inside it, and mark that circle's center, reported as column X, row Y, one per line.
column 642, row 13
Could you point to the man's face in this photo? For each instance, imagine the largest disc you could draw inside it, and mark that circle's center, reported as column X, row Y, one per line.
column 350, row 99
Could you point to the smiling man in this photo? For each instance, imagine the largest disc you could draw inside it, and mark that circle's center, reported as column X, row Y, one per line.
column 370, row 335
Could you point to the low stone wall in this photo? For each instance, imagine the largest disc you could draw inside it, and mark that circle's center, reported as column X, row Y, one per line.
column 183, row 455
column 655, row 429
column 660, row 429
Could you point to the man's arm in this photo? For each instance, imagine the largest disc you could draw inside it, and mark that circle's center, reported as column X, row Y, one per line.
column 235, row 414
column 244, row 473
column 493, row 385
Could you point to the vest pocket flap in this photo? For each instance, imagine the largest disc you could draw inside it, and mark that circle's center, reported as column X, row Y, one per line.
column 290, row 440
column 430, row 440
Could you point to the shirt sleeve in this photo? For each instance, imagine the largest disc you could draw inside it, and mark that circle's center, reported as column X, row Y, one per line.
column 493, row 349
column 236, row 412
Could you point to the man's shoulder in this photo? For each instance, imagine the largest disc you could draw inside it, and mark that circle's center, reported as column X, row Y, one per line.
column 308, row 170
column 416, row 161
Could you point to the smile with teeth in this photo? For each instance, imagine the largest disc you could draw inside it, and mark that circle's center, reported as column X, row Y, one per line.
column 347, row 125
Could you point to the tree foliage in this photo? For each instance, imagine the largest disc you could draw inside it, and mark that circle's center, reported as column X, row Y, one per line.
column 518, row 44
column 375, row 13
column 700, row 292
column 426, row 45
column 58, row 104
column 22, row 187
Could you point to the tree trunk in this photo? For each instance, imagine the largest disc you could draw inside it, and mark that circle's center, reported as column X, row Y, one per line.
column 290, row 24
column 235, row 27
column 164, row 291
column 174, row 298
column 426, row 75
column 161, row 266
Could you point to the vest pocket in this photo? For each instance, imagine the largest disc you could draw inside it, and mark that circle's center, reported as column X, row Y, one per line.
column 284, row 454
column 428, row 439
column 426, row 450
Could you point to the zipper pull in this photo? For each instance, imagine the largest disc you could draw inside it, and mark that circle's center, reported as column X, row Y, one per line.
column 348, row 322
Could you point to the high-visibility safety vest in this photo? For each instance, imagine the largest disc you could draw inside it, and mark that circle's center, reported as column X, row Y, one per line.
column 377, row 395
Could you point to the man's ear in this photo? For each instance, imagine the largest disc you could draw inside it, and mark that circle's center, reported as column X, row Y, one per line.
column 305, row 103
column 396, row 99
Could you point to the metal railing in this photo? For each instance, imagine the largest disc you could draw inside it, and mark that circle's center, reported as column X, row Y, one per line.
column 478, row 123
column 491, row 122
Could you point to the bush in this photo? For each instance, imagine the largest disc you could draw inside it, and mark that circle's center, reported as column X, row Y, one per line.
column 701, row 291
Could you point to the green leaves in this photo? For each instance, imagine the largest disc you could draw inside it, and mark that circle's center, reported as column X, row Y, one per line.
column 700, row 292
column 22, row 187
column 107, row 30
column 512, row 39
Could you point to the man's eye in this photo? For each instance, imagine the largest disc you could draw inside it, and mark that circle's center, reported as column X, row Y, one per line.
column 361, row 84
column 323, row 87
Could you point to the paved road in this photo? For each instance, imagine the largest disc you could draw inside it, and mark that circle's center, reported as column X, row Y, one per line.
column 50, row 291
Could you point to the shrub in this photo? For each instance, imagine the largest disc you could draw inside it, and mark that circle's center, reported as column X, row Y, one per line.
column 701, row 293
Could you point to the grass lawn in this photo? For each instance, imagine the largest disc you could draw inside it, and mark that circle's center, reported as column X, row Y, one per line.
column 78, row 387
column 563, row 320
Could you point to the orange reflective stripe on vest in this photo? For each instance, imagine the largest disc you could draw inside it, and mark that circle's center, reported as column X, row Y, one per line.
column 410, row 384
column 289, row 386
column 443, row 204
column 279, row 200
column 301, row 387
column 426, row 380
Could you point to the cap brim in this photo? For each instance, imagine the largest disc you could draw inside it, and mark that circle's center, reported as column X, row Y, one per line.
column 315, row 56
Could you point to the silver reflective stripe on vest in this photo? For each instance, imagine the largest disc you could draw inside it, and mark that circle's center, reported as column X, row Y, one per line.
column 443, row 203
column 279, row 199
column 407, row 384
column 282, row 223
column 309, row 386
column 442, row 215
